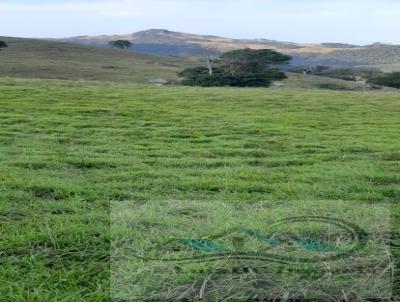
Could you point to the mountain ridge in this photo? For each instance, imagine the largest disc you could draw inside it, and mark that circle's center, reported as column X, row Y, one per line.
column 163, row 42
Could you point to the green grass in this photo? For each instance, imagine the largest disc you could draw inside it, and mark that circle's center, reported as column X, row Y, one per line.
column 300, row 81
column 71, row 151
column 30, row 58
column 150, row 242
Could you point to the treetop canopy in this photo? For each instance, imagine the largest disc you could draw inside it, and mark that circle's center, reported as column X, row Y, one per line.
column 3, row 44
column 242, row 67
column 121, row 44
column 261, row 56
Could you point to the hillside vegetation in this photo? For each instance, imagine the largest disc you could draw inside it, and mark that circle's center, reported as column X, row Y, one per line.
column 71, row 150
column 30, row 58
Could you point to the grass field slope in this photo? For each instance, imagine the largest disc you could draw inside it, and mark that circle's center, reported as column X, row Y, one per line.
column 69, row 150
column 32, row 58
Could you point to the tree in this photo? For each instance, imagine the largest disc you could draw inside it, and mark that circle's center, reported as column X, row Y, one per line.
column 242, row 68
column 3, row 45
column 388, row 79
column 249, row 60
column 121, row 44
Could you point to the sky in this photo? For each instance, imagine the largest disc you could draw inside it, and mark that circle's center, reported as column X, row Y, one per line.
column 307, row 21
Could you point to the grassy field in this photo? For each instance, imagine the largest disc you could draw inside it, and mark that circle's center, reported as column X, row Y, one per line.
column 186, row 160
column 301, row 81
column 30, row 58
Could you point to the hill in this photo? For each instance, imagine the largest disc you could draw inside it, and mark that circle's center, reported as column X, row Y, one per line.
column 169, row 43
column 163, row 42
column 374, row 55
column 31, row 58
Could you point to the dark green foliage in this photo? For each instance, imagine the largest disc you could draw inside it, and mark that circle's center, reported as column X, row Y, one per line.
column 3, row 45
column 200, row 77
column 248, row 60
column 121, row 44
column 346, row 74
column 389, row 80
column 240, row 68
column 352, row 74
column 332, row 86
column 263, row 56
column 368, row 73
column 343, row 73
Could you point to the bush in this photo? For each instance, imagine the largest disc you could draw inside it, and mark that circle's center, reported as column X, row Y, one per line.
column 333, row 86
column 389, row 80
column 343, row 73
column 121, row 44
column 346, row 74
column 200, row 77
column 3, row 45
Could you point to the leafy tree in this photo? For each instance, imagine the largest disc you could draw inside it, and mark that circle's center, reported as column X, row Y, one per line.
column 121, row 44
column 3, row 45
column 388, row 79
column 242, row 68
column 249, row 60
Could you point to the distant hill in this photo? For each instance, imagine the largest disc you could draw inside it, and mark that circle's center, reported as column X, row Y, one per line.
column 168, row 43
column 32, row 58
column 376, row 54
column 339, row 45
column 163, row 42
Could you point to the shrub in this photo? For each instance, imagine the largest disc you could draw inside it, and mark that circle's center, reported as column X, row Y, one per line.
column 121, row 44
column 3, row 45
column 343, row 73
column 388, row 79
column 333, row 86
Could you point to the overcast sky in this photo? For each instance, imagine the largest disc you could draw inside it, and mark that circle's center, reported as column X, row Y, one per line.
column 351, row 21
